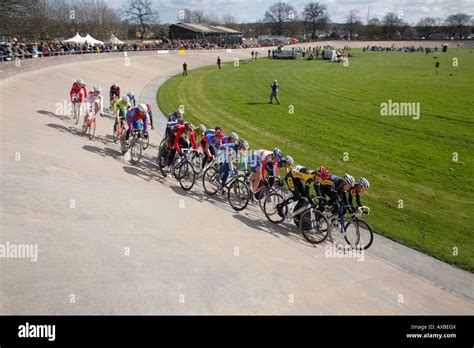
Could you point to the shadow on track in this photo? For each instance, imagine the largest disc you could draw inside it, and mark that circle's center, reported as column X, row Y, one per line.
column 52, row 114
column 147, row 170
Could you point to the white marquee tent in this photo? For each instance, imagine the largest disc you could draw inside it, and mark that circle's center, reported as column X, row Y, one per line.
column 76, row 39
column 114, row 40
column 91, row 41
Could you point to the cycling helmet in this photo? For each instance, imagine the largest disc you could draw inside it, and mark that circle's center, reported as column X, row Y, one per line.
column 188, row 126
column 142, row 107
column 131, row 95
column 125, row 99
column 202, row 128
column 289, row 160
column 244, row 144
column 217, row 128
column 277, row 153
column 97, row 89
column 115, row 85
column 180, row 112
column 349, row 179
column 219, row 133
column 80, row 82
column 364, row 183
column 323, row 173
column 234, row 136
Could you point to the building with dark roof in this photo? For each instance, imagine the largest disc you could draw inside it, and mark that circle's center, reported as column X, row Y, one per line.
column 212, row 33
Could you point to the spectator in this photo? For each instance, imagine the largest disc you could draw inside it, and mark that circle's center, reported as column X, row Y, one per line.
column 219, row 62
column 275, row 87
column 253, row 54
column 185, row 69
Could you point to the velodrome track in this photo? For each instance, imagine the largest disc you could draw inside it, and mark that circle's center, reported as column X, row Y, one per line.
column 85, row 206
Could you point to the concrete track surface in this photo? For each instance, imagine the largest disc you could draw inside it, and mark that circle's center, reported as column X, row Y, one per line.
column 114, row 238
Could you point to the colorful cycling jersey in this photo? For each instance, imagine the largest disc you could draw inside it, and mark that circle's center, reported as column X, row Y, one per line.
column 228, row 153
column 76, row 89
column 120, row 104
column 209, row 131
column 263, row 158
column 212, row 140
column 95, row 97
column 180, row 129
column 227, row 140
column 303, row 173
column 134, row 115
column 173, row 120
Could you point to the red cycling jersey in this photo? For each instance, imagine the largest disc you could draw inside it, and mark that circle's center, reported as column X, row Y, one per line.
column 267, row 161
column 76, row 90
column 180, row 129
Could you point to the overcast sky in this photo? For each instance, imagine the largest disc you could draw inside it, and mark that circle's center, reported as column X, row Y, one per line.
column 253, row 10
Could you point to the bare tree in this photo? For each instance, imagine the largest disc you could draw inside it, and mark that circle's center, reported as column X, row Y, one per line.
column 280, row 15
column 391, row 25
column 353, row 23
column 458, row 23
column 373, row 28
column 427, row 26
column 228, row 19
column 315, row 17
column 140, row 12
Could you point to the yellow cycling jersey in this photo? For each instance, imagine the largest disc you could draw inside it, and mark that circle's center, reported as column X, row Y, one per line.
column 119, row 104
column 303, row 173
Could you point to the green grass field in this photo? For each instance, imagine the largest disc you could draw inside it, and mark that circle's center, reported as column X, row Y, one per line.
column 337, row 111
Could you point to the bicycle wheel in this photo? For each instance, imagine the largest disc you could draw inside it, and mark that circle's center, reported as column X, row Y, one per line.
column 271, row 210
column 211, row 180
column 366, row 236
column 346, row 239
column 136, row 149
column 77, row 113
column 196, row 159
column 238, row 194
column 115, row 132
column 163, row 154
column 146, row 142
column 91, row 129
column 262, row 197
column 186, row 176
column 314, row 226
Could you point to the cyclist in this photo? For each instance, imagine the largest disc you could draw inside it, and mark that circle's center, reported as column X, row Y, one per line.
column 95, row 101
column 78, row 89
column 262, row 161
column 337, row 190
column 200, row 132
column 121, row 107
column 360, row 187
column 132, row 98
column 210, row 145
column 149, row 119
column 181, row 133
column 228, row 153
column 299, row 181
column 114, row 94
column 136, row 119
column 232, row 138
column 174, row 118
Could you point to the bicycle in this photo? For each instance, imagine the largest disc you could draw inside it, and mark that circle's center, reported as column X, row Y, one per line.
column 91, row 121
column 135, row 146
column 238, row 192
column 278, row 208
column 362, row 228
column 77, row 108
column 119, row 127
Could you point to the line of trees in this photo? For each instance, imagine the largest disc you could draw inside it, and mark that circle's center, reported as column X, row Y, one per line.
column 47, row 19
column 283, row 19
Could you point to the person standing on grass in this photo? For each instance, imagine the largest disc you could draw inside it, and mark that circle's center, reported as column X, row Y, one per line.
column 185, row 69
column 219, row 62
column 275, row 86
column 252, row 54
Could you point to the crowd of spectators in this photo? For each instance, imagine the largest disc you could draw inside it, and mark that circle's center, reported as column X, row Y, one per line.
column 12, row 49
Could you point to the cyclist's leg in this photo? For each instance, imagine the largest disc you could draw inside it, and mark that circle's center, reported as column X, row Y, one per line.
column 173, row 150
column 224, row 171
